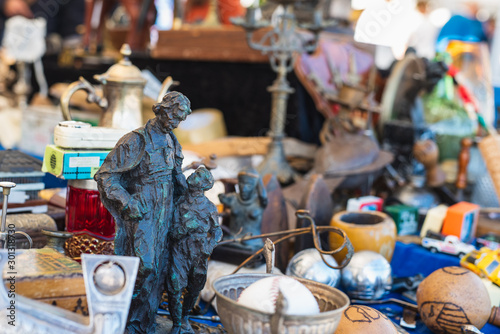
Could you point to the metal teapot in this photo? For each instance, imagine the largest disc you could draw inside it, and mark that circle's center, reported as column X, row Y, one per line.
column 123, row 87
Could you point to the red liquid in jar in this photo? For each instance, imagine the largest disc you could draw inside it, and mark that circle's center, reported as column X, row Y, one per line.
column 86, row 214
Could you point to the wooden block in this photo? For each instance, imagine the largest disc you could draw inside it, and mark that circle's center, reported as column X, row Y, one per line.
column 227, row 43
column 434, row 220
column 46, row 275
column 461, row 221
column 76, row 304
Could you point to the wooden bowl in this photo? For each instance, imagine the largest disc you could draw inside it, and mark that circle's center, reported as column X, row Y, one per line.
column 367, row 230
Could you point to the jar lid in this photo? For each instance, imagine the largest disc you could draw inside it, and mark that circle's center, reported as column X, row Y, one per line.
column 124, row 71
column 87, row 184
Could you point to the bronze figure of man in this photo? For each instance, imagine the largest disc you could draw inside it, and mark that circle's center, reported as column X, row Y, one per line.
column 138, row 183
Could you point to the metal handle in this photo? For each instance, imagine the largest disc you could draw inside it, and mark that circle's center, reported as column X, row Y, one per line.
column 27, row 237
column 167, row 83
column 72, row 89
column 304, row 214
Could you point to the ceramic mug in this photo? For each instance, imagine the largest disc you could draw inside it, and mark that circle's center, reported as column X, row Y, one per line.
column 367, row 230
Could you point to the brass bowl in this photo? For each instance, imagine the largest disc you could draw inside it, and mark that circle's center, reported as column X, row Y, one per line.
column 238, row 319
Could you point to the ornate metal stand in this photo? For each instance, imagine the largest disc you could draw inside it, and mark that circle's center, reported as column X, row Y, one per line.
column 282, row 42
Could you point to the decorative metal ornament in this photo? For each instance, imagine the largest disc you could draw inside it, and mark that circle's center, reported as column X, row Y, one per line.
column 367, row 276
column 86, row 244
column 282, row 43
column 123, row 87
column 308, row 264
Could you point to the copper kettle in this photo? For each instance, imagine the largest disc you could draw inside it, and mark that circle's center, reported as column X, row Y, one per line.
column 123, row 87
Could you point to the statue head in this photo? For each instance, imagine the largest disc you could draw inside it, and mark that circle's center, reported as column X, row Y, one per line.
column 249, row 182
column 173, row 109
column 200, row 179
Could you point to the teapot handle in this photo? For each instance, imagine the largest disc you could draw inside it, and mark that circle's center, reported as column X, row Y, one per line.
column 91, row 98
column 166, row 85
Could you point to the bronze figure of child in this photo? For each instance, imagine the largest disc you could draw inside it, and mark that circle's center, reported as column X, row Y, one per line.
column 193, row 235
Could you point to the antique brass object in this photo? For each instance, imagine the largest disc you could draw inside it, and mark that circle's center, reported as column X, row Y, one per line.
column 86, row 244
column 240, row 319
column 282, row 43
column 123, row 87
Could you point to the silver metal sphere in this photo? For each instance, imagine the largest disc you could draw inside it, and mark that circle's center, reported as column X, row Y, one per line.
column 309, row 264
column 367, row 276
column 109, row 278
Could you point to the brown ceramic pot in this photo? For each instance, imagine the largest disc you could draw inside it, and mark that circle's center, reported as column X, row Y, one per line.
column 452, row 297
column 358, row 319
column 367, row 230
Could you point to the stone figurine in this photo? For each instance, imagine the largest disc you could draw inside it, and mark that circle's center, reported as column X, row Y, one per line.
column 246, row 208
column 139, row 182
column 193, row 235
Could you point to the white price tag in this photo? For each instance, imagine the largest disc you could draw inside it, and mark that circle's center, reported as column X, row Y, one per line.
column 75, row 162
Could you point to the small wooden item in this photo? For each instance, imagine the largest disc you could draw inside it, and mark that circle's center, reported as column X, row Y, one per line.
column 434, row 220
column 452, row 297
column 463, row 162
column 427, row 153
column 50, row 277
column 370, row 230
column 318, row 201
column 275, row 218
column 360, row 319
column 461, row 221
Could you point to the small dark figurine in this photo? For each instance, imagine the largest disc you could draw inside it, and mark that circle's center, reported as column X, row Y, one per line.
column 138, row 182
column 193, row 236
column 246, row 208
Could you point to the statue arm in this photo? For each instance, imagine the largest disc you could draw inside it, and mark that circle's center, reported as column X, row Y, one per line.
column 215, row 231
column 125, row 156
column 180, row 179
column 226, row 199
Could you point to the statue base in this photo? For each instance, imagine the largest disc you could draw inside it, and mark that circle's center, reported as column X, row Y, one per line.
column 164, row 325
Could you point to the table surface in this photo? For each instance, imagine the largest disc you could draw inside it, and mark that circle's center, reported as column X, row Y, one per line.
column 409, row 260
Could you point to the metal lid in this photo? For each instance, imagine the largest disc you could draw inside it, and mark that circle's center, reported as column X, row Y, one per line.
column 123, row 71
column 87, row 184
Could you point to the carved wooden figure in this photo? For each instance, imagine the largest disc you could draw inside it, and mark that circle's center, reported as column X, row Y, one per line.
column 427, row 153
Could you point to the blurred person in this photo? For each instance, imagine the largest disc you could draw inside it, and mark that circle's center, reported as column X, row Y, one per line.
column 423, row 40
column 63, row 17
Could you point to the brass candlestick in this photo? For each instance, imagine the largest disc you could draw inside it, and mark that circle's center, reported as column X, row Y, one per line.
column 282, row 42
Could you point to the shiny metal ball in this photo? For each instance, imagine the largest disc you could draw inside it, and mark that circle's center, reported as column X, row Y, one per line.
column 367, row 276
column 309, row 264
column 109, row 278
